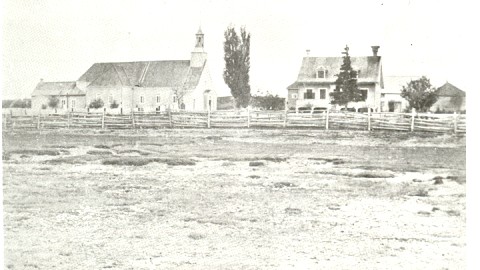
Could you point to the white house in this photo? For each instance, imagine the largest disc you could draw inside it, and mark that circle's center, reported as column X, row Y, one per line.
column 316, row 80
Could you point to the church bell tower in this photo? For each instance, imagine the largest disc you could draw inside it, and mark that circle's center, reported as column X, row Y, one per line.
column 198, row 55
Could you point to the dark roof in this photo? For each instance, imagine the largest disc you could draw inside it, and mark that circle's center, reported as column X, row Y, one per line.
column 450, row 90
column 369, row 66
column 57, row 89
column 143, row 74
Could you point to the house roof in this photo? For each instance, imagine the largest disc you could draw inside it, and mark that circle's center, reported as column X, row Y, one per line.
column 450, row 90
column 57, row 89
column 369, row 66
column 144, row 74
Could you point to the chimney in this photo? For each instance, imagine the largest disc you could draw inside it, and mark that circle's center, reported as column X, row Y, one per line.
column 41, row 80
column 375, row 50
column 308, row 52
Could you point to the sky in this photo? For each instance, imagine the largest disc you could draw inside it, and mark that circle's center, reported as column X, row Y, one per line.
column 58, row 40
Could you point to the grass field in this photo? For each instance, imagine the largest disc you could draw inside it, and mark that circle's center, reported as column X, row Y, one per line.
column 233, row 199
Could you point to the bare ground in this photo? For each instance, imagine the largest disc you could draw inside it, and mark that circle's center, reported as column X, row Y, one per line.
column 191, row 199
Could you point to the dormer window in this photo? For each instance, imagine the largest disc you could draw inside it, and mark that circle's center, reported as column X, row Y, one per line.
column 322, row 73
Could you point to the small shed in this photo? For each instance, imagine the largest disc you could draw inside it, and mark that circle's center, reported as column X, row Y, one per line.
column 450, row 99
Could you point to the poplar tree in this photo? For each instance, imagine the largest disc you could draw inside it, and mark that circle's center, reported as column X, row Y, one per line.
column 237, row 65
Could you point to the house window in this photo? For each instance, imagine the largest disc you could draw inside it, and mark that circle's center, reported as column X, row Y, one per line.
column 364, row 94
column 63, row 103
column 73, row 103
column 294, row 96
column 323, row 93
column 309, row 94
column 322, row 73
column 142, row 99
column 382, row 95
column 158, row 99
column 174, row 99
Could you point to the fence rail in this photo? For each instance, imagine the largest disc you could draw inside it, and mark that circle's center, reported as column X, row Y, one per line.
column 443, row 123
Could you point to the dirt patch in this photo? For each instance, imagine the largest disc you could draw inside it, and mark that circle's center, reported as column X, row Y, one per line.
column 196, row 236
column 458, row 179
column 140, row 161
column 127, row 161
column 102, row 146
column 99, row 152
column 283, row 185
column 335, row 161
column 293, row 211
column 80, row 159
column 256, row 163
column 61, row 146
column 133, row 151
column 36, row 152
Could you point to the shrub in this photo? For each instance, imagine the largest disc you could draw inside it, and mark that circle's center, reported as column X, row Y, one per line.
column 96, row 104
column 53, row 102
column 114, row 105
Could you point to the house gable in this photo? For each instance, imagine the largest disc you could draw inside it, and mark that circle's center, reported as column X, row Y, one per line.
column 450, row 90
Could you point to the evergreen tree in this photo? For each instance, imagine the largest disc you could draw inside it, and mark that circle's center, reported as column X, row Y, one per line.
column 237, row 65
column 346, row 89
column 420, row 94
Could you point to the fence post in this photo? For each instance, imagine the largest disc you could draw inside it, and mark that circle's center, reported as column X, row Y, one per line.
column 170, row 118
column 369, row 120
column 133, row 119
column 326, row 119
column 68, row 119
column 248, row 117
column 4, row 120
column 413, row 120
column 38, row 121
column 103, row 119
column 208, row 119
column 455, row 122
column 285, row 118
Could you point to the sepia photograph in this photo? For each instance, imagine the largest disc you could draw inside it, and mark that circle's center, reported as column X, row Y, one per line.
column 246, row 134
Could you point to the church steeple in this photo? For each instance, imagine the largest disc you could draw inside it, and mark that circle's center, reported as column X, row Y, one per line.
column 200, row 39
column 198, row 54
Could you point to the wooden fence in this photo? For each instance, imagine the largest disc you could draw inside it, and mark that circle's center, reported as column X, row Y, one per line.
column 444, row 123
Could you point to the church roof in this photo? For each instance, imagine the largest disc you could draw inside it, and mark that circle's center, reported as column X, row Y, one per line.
column 450, row 90
column 369, row 66
column 57, row 89
column 173, row 73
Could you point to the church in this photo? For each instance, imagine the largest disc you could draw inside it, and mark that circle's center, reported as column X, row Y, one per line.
column 143, row 86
